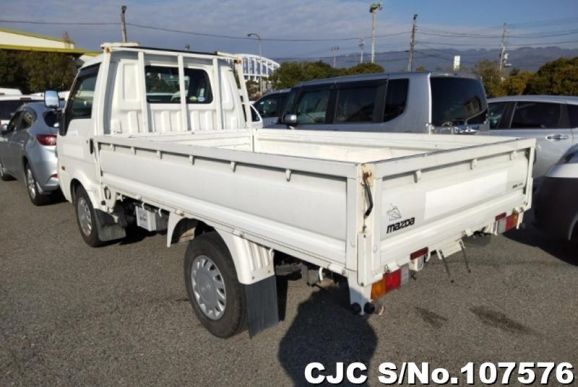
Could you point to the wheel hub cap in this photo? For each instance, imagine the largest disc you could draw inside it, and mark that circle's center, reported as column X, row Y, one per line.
column 31, row 183
column 208, row 287
column 84, row 216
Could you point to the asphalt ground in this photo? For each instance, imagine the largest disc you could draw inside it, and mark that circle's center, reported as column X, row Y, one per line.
column 119, row 315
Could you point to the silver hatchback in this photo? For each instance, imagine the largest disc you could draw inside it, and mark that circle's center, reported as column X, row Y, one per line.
column 28, row 150
column 551, row 120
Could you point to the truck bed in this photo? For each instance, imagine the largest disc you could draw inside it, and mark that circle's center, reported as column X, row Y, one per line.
column 349, row 202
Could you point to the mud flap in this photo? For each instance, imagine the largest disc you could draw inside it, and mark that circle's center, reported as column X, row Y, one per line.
column 106, row 227
column 262, row 305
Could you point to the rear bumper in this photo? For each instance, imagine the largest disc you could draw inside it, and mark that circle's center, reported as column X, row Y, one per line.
column 556, row 206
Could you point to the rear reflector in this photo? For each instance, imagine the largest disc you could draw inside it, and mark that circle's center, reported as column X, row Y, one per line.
column 46, row 139
column 506, row 223
column 390, row 281
column 417, row 259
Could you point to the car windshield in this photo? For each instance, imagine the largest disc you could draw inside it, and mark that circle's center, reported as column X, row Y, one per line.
column 457, row 101
column 7, row 108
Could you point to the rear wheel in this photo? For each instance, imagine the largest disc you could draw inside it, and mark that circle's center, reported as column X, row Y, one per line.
column 86, row 218
column 4, row 176
column 217, row 297
column 34, row 193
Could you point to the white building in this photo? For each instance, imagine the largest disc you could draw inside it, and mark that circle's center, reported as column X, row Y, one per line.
column 26, row 41
column 256, row 67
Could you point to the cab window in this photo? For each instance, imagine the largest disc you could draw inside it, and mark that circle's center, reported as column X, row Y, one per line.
column 162, row 85
column 312, row 107
column 79, row 105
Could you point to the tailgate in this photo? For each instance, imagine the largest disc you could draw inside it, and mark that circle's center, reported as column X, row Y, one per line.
column 436, row 199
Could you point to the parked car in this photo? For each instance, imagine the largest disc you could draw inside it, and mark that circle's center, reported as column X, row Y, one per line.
column 398, row 102
column 27, row 150
column 270, row 106
column 552, row 120
column 9, row 103
column 556, row 202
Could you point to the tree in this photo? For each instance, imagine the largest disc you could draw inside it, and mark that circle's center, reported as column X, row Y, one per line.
column 559, row 77
column 37, row 71
column 365, row 68
column 491, row 77
column 253, row 90
column 516, row 82
column 420, row 69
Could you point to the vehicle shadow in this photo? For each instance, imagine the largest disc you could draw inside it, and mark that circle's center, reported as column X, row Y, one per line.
column 325, row 331
column 529, row 235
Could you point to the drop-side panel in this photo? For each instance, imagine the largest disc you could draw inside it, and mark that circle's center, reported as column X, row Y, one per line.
column 304, row 210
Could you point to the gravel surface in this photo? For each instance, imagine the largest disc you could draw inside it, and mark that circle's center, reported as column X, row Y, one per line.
column 119, row 315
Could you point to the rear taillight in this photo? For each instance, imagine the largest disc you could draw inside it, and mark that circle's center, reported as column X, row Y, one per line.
column 390, row 281
column 506, row 223
column 46, row 139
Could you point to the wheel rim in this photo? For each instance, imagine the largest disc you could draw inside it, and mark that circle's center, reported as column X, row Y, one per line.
column 30, row 183
column 1, row 170
column 208, row 287
column 84, row 216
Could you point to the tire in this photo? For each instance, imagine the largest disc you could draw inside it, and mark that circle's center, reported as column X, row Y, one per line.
column 217, row 297
column 86, row 218
column 4, row 176
column 37, row 198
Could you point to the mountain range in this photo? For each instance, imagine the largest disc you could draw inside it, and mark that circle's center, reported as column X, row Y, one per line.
column 523, row 58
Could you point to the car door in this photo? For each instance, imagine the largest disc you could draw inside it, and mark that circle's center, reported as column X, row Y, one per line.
column 7, row 153
column 546, row 122
column 18, row 140
column 313, row 107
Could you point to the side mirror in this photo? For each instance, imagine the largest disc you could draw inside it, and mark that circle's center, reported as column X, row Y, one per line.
column 4, row 129
column 51, row 99
column 289, row 119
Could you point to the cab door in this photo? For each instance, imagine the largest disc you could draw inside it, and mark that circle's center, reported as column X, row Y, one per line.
column 74, row 146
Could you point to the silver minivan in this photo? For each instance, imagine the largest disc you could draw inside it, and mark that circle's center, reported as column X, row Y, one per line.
column 419, row 102
column 552, row 120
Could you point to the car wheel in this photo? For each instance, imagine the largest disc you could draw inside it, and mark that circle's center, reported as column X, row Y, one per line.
column 4, row 176
column 217, row 297
column 33, row 188
column 86, row 218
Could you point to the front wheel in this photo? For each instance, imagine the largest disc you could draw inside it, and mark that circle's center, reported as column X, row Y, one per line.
column 86, row 218
column 217, row 297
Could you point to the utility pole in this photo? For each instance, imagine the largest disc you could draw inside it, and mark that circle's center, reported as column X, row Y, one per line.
column 361, row 45
column 503, row 53
column 373, row 8
column 412, row 44
column 334, row 53
column 123, row 23
column 260, row 72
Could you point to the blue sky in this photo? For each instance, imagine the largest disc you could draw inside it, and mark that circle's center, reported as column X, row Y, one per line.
column 441, row 23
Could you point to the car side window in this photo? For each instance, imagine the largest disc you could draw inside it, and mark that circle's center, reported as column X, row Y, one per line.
column 573, row 115
column 496, row 114
column 14, row 121
column 536, row 115
column 395, row 98
column 268, row 106
column 356, row 104
column 312, row 107
column 26, row 120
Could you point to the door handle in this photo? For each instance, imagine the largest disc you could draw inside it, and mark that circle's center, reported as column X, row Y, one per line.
column 557, row 137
